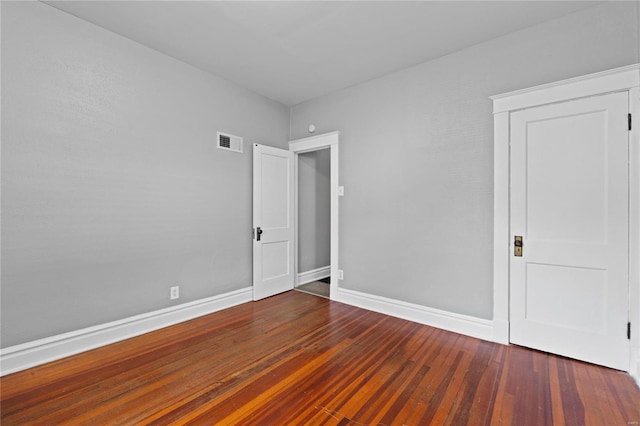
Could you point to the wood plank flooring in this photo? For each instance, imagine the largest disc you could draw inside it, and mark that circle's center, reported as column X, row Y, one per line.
column 298, row 359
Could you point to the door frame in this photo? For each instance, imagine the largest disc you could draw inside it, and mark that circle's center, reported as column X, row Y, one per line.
column 315, row 143
column 615, row 80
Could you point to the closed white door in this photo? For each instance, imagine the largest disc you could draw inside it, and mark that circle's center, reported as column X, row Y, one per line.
column 273, row 224
column 569, row 203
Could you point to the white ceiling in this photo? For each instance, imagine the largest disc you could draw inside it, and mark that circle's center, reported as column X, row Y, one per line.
column 296, row 51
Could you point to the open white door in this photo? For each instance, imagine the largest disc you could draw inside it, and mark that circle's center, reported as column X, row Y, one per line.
column 569, row 206
column 273, row 221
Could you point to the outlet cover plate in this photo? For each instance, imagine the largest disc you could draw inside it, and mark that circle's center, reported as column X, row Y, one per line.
column 174, row 293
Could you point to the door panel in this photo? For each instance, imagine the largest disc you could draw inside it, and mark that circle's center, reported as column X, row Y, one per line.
column 273, row 266
column 275, row 259
column 275, row 180
column 563, row 282
column 569, row 180
column 566, row 155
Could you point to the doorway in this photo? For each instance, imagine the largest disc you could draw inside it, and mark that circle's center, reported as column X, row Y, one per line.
column 314, row 222
column 310, row 255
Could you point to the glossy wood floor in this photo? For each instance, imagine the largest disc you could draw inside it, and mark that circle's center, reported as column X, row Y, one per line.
column 297, row 359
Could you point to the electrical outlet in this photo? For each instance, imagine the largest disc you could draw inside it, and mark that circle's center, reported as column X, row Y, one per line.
column 175, row 293
column 340, row 274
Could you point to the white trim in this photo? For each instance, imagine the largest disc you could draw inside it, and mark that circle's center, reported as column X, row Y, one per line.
column 296, row 241
column 635, row 365
column 613, row 80
column 619, row 79
column 335, row 228
column 31, row 354
column 313, row 275
column 462, row 324
column 634, row 233
column 315, row 143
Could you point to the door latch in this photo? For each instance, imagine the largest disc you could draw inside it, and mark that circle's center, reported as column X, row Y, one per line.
column 517, row 246
column 258, row 234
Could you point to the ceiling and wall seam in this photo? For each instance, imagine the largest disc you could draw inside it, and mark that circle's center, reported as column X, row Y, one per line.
column 226, row 80
column 296, row 61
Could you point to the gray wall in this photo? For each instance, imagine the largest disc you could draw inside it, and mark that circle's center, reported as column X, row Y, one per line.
column 416, row 156
column 112, row 187
column 314, row 210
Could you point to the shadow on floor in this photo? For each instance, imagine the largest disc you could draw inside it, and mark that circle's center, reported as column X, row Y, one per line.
column 318, row 288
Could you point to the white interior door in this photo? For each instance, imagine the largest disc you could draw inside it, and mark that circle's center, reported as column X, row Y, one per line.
column 273, row 221
column 569, row 202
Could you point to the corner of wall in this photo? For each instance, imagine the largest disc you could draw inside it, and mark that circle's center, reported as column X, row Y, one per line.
column 290, row 123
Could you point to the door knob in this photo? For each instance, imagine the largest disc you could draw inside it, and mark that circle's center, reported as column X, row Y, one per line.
column 517, row 246
column 258, row 233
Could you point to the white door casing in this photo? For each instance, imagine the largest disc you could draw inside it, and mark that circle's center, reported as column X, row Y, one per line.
column 273, row 221
column 623, row 79
column 569, row 202
column 326, row 141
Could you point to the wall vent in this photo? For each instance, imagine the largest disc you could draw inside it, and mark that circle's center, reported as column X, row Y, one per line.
column 229, row 142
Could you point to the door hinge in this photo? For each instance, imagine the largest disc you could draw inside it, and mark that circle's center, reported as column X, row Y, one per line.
column 629, row 330
column 629, row 119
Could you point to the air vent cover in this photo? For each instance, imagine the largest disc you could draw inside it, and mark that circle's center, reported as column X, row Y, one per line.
column 229, row 142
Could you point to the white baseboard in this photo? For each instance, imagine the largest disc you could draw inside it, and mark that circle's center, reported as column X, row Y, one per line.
column 501, row 331
column 314, row 275
column 463, row 324
column 634, row 368
column 31, row 354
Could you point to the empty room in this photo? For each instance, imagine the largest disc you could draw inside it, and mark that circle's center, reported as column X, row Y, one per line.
column 320, row 212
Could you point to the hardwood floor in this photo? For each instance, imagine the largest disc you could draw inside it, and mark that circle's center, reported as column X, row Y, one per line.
column 297, row 359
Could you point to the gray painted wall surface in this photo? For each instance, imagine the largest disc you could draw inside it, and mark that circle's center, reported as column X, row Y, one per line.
column 314, row 210
column 112, row 187
column 416, row 156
